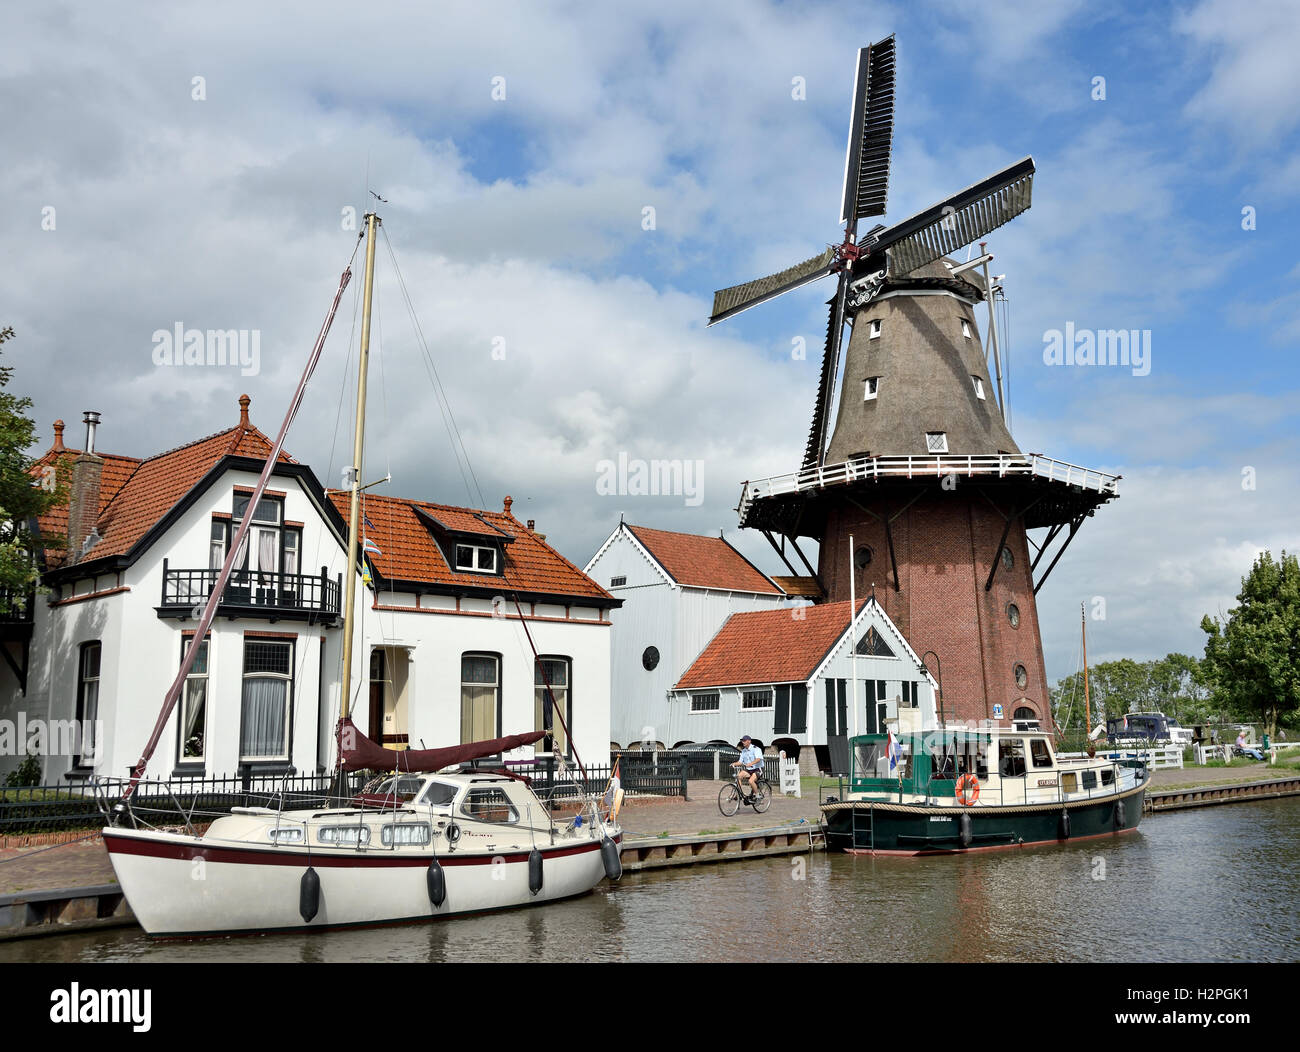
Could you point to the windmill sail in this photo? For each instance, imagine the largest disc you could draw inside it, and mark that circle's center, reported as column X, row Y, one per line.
column 817, row 433
column 871, row 133
column 962, row 219
column 727, row 302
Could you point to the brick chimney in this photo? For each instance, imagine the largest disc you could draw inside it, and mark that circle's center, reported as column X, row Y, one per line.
column 83, row 501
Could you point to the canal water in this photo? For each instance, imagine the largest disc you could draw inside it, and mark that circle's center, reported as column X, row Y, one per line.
column 1214, row 884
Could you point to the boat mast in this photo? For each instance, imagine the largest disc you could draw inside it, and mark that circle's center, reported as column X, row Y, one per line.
column 358, row 448
column 1087, row 706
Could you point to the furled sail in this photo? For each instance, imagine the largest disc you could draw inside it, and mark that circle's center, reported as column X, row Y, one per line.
column 357, row 752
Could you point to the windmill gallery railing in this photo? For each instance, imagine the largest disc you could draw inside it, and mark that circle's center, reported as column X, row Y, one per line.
column 253, row 593
column 936, row 466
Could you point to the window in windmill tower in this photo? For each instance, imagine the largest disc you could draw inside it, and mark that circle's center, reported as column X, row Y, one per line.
column 871, row 389
column 965, row 329
column 979, row 386
column 936, row 441
column 873, row 329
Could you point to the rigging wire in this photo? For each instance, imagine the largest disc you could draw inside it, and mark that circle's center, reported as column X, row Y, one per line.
column 444, row 404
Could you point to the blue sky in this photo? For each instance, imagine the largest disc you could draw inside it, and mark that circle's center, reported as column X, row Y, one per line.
column 518, row 224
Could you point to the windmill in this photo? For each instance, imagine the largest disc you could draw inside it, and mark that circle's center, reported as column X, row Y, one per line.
column 921, row 470
column 885, row 251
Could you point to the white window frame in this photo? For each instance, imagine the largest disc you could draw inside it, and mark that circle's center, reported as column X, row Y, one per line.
column 205, row 653
column 979, row 387
column 965, row 329
column 247, row 676
column 941, row 446
column 716, row 696
column 477, row 551
column 873, row 329
column 871, row 388
column 766, row 692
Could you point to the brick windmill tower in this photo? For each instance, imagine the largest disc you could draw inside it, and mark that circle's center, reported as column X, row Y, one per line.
column 920, row 468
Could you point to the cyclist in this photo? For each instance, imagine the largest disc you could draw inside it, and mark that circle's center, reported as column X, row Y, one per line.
column 750, row 764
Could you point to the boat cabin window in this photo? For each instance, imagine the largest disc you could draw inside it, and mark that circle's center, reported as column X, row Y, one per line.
column 1107, row 775
column 404, row 786
column 286, row 836
column 404, row 833
column 1039, row 754
column 439, row 794
column 489, row 805
column 1011, row 757
column 1090, row 779
column 344, row 836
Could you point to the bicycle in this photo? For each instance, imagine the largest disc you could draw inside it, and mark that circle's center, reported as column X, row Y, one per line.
column 731, row 796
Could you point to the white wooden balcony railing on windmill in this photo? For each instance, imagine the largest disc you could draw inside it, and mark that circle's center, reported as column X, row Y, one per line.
column 935, row 466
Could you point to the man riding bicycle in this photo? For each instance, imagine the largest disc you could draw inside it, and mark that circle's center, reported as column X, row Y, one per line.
column 750, row 764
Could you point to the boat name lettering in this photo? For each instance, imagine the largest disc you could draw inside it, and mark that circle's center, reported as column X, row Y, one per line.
column 1046, row 781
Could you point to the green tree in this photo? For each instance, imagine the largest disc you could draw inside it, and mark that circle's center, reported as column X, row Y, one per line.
column 22, row 496
column 1253, row 658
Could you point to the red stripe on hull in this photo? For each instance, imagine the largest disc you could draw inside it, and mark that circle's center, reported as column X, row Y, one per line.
column 125, row 845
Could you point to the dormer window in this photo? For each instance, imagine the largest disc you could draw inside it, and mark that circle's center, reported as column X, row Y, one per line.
column 473, row 558
column 872, row 388
column 873, row 329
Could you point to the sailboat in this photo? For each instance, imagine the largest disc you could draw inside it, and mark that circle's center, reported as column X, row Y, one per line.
column 420, row 846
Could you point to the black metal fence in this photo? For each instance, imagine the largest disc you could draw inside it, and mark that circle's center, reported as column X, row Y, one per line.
column 180, row 800
column 50, row 808
column 699, row 763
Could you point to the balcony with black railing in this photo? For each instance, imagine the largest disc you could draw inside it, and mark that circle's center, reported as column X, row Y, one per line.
column 254, row 593
column 16, row 613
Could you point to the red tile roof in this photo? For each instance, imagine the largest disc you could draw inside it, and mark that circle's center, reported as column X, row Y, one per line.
column 410, row 552
column 135, row 494
column 702, row 562
column 769, row 646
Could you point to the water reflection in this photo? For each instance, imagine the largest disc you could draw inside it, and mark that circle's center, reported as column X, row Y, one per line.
column 1220, row 884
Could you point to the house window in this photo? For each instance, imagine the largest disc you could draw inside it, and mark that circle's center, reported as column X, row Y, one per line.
column 476, row 559
column 480, row 692
column 291, row 545
column 911, row 694
column 936, row 441
column 756, row 699
column 194, row 705
column 965, row 329
column 557, row 670
column 979, row 386
column 88, row 704
column 873, row 329
column 617, row 582
column 267, row 700
column 219, row 543
column 704, row 702
column 871, row 389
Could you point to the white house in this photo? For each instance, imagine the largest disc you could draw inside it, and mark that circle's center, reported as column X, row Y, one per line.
column 440, row 652
column 676, row 590
column 786, row 678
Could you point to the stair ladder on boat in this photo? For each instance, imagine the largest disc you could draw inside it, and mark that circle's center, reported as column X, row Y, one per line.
column 863, row 829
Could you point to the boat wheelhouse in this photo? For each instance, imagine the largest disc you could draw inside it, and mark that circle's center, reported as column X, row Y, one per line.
column 964, row 789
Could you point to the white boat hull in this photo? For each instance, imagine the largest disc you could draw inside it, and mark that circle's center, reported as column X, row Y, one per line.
column 180, row 885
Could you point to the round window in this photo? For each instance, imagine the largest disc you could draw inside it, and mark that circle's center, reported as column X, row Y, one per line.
column 650, row 658
column 1008, row 560
column 1022, row 677
column 1013, row 615
column 862, row 557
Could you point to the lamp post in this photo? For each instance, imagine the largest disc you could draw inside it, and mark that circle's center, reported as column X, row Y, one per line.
column 922, row 667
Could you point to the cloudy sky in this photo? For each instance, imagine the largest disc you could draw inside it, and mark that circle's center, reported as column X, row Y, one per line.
column 567, row 184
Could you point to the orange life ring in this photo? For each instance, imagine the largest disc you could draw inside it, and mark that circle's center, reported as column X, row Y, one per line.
column 968, row 789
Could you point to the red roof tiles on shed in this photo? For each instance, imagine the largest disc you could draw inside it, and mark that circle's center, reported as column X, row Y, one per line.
column 769, row 646
column 702, row 562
